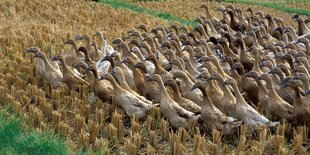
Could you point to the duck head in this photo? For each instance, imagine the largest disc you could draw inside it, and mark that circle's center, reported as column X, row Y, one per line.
column 229, row 81
column 32, row 50
column 141, row 66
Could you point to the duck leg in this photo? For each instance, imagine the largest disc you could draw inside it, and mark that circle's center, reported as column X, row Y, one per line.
column 50, row 90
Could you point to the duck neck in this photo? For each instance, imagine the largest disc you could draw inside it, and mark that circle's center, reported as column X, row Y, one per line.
column 302, row 27
column 178, row 51
column 307, row 44
column 160, row 39
column 163, row 91
column 153, row 46
column 219, row 68
column 48, row 65
column 237, row 92
column 103, row 45
column 97, row 51
column 86, row 57
column 209, row 15
column 228, row 51
column 235, row 75
column 191, row 67
column 270, row 87
column 74, row 45
column 206, row 99
column 213, row 31
column 280, row 75
column 158, row 69
column 305, row 82
column 188, row 82
column 116, row 87
column 256, row 63
column 122, row 82
column 232, row 18
column 176, row 92
column 125, row 51
column 255, row 42
column 272, row 24
column 64, row 65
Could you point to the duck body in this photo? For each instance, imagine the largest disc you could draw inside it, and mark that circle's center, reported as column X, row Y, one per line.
column 213, row 117
column 177, row 116
column 54, row 76
column 129, row 102
column 245, row 112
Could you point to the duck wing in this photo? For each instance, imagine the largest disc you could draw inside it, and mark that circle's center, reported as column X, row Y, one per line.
column 182, row 112
column 79, row 80
column 134, row 101
column 254, row 115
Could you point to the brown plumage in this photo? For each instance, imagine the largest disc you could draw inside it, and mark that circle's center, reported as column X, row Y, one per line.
column 73, row 82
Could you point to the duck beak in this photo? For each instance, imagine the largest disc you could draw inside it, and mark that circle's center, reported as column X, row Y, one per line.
column 28, row 50
column 285, row 84
column 198, row 77
column 193, row 88
column 224, row 83
column 148, row 78
column 53, row 59
column 101, row 78
column 209, row 78
column 74, row 65
column 306, row 92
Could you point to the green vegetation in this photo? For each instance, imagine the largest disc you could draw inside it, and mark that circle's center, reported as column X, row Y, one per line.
column 162, row 15
column 15, row 139
column 279, row 5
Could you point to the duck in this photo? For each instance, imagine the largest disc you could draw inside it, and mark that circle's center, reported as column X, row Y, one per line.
column 302, row 28
column 127, row 72
column 245, row 58
column 183, row 102
column 49, row 73
column 158, row 68
column 285, row 93
column 186, row 85
column 177, row 116
column 102, row 89
column 304, row 78
column 73, row 82
column 209, row 15
column 93, row 54
column 246, row 84
column 245, row 112
column 227, row 103
column 149, row 65
column 129, row 102
column 118, row 75
column 277, row 107
column 72, row 56
column 106, row 49
column 301, row 103
column 149, row 89
column 39, row 63
column 213, row 118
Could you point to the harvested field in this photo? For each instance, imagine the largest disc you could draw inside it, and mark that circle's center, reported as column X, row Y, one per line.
column 92, row 126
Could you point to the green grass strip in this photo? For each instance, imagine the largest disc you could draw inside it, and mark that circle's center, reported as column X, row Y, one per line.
column 274, row 5
column 162, row 15
column 14, row 139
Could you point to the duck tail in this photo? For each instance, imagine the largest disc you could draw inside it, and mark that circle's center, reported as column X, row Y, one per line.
column 272, row 124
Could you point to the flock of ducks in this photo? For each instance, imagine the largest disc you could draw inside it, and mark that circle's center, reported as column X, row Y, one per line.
column 241, row 69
